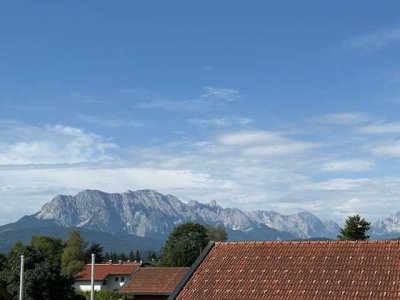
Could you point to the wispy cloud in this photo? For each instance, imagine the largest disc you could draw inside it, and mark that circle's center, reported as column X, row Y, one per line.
column 374, row 40
column 345, row 118
column 389, row 149
column 51, row 144
column 109, row 123
column 382, row 128
column 221, row 121
column 210, row 96
column 339, row 184
column 264, row 143
column 354, row 165
column 249, row 138
column 213, row 94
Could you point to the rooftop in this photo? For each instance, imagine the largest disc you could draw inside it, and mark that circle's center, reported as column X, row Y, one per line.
column 105, row 269
column 296, row 270
column 154, row 281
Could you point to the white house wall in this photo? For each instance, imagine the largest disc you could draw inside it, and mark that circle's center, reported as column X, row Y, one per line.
column 84, row 285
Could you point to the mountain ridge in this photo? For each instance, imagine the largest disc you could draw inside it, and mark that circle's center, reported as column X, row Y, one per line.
column 148, row 213
column 143, row 219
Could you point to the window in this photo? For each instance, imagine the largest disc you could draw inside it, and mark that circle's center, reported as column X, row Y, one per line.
column 105, row 282
column 122, row 279
column 116, row 278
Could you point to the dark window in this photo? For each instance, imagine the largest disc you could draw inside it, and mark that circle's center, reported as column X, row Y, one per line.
column 116, row 278
column 122, row 279
column 105, row 282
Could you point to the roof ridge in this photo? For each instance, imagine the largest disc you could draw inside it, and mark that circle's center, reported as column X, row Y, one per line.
column 312, row 242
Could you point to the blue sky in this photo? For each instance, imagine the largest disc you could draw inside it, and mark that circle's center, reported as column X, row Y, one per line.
column 265, row 105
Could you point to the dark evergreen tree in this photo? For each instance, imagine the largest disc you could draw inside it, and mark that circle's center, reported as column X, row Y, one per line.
column 96, row 249
column 137, row 256
column 122, row 256
column 131, row 256
column 355, row 229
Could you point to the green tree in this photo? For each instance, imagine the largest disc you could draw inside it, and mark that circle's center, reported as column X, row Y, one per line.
column 122, row 256
column 97, row 250
column 184, row 244
column 151, row 256
column 73, row 257
column 53, row 247
column 43, row 278
column 131, row 256
column 3, row 266
column 216, row 233
column 103, row 295
column 355, row 229
column 137, row 256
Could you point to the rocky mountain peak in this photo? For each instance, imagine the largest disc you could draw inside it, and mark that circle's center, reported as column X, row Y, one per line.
column 150, row 213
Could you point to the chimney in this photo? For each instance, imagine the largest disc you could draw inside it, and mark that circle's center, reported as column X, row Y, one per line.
column 120, row 262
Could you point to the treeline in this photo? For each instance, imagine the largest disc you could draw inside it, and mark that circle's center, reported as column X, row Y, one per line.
column 133, row 256
column 51, row 263
column 49, row 267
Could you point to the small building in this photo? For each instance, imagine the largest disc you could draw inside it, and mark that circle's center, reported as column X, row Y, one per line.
column 294, row 270
column 108, row 276
column 153, row 283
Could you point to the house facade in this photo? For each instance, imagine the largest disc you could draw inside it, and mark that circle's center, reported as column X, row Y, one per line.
column 106, row 276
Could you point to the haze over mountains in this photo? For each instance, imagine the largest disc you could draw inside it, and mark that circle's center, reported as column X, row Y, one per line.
column 143, row 219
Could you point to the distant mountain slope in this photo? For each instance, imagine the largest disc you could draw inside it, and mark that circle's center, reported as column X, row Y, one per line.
column 147, row 215
column 386, row 228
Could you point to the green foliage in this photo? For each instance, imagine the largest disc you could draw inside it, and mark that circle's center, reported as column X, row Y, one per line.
column 97, row 250
column 73, row 257
column 137, row 256
column 184, row 244
column 53, row 247
column 151, row 256
column 216, row 233
column 43, row 278
column 355, row 229
column 103, row 295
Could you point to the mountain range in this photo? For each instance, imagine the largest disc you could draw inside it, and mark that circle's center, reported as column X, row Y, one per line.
column 143, row 219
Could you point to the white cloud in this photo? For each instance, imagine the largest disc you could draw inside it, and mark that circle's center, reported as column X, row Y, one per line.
column 391, row 149
column 110, row 123
column 354, row 165
column 374, row 40
column 249, row 138
column 346, row 118
column 339, row 184
column 57, row 144
column 221, row 122
column 264, row 143
column 382, row 128
column 211, row 96
column 284, row 149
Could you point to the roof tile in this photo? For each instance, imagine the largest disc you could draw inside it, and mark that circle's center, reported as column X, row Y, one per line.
column 297, row 270
column 103, row 270
column 154, row 281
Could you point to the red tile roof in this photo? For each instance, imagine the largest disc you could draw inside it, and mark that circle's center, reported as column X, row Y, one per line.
column 154, row 281
column 103, row 270
column 297, row 270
